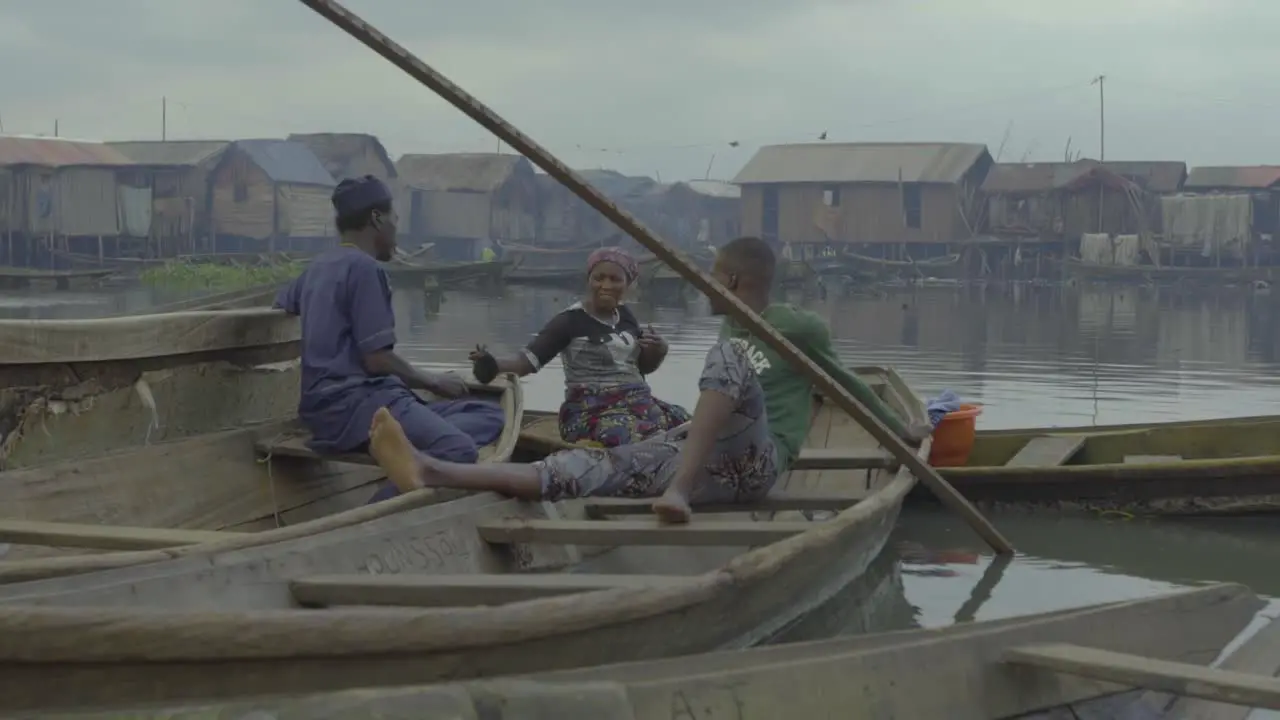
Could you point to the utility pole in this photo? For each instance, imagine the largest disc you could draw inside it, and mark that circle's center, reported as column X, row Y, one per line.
column 164, row 118
column 55, row 127
column 1102, row 117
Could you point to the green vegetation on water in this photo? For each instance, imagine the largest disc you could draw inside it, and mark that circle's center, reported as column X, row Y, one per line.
column 185, row 275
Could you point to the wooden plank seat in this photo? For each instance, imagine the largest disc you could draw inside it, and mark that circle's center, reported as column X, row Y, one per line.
column 1047, row 451
column 599, row 508
column 459, row 590
column 1182, row 679
column 853, row 458
column 101, row 537
column 638, row 532
column 295, row 446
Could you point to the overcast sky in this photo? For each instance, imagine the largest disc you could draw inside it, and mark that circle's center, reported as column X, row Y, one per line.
column 662, row 86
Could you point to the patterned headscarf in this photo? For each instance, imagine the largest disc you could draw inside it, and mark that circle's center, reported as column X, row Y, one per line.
column 618, row 257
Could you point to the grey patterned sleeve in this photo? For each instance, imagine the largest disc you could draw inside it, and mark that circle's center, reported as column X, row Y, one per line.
column 727, row 370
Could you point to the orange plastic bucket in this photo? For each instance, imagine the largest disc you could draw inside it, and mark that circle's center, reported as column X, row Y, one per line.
column 953, row 437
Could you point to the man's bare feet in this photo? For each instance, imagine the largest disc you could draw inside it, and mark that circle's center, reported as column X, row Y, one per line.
column 393, row 451
column 672, row 508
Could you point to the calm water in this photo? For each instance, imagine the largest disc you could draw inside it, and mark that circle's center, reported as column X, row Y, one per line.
column 1036, row 357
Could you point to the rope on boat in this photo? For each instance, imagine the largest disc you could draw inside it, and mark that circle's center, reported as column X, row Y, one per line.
column 271, row 480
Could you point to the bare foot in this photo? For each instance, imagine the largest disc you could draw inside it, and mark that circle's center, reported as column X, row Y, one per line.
column 672, row 508
column 393, row 451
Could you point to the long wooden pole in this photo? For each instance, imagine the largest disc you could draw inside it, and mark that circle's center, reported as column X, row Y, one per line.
column 473, row 108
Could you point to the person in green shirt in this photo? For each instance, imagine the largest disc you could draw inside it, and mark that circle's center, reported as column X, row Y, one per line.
column 745, row 267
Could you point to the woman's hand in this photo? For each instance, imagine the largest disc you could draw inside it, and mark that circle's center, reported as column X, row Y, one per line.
column 653, row 342
column 483, row 365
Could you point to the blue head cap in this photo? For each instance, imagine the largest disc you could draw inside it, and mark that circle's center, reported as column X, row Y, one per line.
column 354, row 195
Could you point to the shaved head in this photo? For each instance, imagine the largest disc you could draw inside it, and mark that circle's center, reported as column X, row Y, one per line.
column 745, row 267
column 748, row 257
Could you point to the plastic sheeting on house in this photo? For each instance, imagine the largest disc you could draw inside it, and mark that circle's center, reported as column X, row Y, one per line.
column 1213, row 225
column 1102, row 249
column 135, row 211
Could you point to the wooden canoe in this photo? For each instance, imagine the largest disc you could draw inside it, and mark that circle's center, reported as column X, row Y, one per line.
column 553, row 276
column 79, row 388
column 445, row 274
column 233, row 489
column 1167, row 274
column 946, row 267
column 1003, row 669
column 1202, row 467
column 463, row 575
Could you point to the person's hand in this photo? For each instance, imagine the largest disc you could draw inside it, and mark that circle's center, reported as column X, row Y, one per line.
column 650, row 339
column 447, row 386
column 483, row 365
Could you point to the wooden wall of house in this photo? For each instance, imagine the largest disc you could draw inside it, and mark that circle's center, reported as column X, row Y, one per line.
column 180, row 208
column 36, row 189
column 85, row 202
column 1037, row 213
column 440, row 214
column 305, row 211
column 1092, row 209
column 565, row 220
column 867, row 213
column 514, row 212
column 242, row 199
column 1069, row 214
column 7, row 200
column 690, row 211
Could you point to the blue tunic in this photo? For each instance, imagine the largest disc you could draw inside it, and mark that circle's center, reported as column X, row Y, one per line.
column 344, row 300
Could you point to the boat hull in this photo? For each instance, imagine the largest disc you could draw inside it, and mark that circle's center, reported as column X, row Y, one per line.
column 72, row 389
column 218, row 481
column 1203, row 467
column 226, row 622
column 869, row 676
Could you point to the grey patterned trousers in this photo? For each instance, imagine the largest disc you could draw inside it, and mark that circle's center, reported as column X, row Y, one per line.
column 743, row 465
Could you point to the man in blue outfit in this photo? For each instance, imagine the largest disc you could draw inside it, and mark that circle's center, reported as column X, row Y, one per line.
column 349, row 364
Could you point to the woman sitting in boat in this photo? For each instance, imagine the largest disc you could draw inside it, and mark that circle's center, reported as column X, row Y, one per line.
column 606, row 357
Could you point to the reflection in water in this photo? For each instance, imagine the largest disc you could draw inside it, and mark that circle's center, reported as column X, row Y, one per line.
column 1033, row 357
column 875, row 602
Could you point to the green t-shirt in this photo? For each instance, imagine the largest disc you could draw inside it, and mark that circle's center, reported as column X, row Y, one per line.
column 788, row 392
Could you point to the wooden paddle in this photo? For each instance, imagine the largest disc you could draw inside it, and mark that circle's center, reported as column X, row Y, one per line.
column 473, row 108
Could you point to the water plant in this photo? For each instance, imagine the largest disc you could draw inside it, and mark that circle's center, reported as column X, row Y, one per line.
column 188, row 275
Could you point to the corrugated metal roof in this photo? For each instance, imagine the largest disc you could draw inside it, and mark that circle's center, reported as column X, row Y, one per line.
column 56, row 152
column 336, row 151
column 464, row 172
column 617, row 186
column 180, row 153
column 1030, row 177
column 714, row 188
column 1159, row 177
column 861, row 163
column 287, row 162
column 1257, row 177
